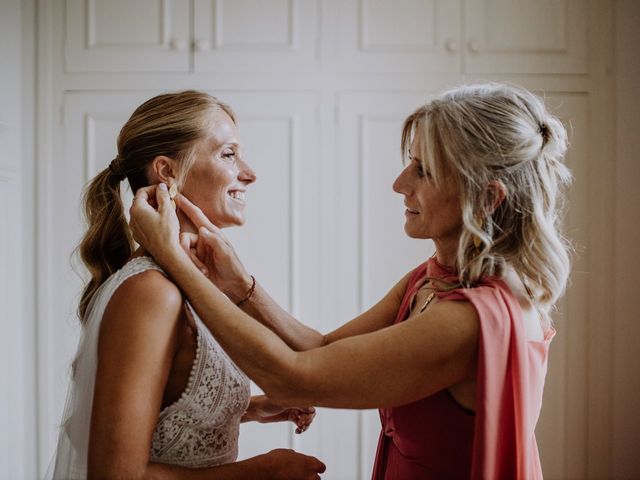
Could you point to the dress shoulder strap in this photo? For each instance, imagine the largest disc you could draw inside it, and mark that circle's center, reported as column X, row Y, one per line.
column 138, row 265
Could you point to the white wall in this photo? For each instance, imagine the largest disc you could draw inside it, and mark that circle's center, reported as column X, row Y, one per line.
column 626, row 317
column 18, row 414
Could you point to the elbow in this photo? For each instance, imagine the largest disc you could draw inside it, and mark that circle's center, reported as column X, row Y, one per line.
column 293, row 386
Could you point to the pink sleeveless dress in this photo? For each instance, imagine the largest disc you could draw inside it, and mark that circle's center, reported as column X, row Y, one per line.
column 436, row 438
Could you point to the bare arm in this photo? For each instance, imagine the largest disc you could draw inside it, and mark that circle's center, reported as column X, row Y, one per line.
column 228, row 273
column 300, row 337
column 138, row 340
column 408, row 361
column 395, row 365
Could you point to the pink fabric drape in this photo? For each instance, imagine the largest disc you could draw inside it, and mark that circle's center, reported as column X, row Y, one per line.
column 510, row 380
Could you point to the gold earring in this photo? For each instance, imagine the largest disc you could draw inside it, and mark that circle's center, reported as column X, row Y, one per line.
column 477, row 241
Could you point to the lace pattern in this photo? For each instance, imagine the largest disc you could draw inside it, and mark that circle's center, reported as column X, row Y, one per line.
column 201, row 428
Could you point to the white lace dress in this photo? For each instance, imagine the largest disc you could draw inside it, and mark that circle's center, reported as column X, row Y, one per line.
column 198, row 430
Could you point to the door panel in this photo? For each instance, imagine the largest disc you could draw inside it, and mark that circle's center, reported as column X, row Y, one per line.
column 255, row 35
column 526, row 36
column 402, row 36
column 125, row 36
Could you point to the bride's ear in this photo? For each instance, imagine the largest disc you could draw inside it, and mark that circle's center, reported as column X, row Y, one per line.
column 163, row 169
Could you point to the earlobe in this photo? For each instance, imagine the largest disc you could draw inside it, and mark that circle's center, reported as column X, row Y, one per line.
column 163, row 169
column 496, row 193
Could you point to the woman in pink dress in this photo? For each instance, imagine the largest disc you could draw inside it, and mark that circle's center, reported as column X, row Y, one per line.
column 455, row 355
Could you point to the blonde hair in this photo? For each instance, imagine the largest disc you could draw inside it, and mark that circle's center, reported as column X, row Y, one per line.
column 498, row 133
column 169, row 124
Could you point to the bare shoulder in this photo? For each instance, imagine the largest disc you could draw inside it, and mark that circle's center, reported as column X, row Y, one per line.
column 144, row 301
column 455, row 323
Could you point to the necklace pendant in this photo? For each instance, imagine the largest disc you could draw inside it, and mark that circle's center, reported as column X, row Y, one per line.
column 427, row 301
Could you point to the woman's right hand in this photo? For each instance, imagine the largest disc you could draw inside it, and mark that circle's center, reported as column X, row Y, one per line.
column 285, row 464
column 212, row 248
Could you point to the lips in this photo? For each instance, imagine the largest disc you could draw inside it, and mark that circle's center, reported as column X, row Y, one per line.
column 237, row 195
column 411, row 210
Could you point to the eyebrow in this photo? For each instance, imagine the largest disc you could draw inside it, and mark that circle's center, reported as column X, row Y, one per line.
column 225, row 145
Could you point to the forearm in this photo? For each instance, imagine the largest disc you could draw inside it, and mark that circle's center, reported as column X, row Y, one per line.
column 250, row 415
column 254, row 468
column 265, row 309
column 259, row 352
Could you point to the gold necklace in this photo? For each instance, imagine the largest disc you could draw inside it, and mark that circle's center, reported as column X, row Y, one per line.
column 431, row 296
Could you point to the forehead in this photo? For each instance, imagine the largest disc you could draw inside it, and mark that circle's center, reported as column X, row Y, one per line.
column 417, row 144
column 222, row 130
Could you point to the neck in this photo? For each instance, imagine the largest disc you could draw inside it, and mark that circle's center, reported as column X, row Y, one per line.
column 446, row 252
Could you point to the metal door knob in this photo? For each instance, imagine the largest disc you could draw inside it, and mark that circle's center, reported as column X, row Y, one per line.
column 451, row 46
column 474, row 46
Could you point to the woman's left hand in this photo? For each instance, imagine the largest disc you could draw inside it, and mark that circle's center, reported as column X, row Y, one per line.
column 264, row 410
column 156, row 229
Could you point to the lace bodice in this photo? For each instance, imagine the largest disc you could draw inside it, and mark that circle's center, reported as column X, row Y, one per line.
column 201, row 428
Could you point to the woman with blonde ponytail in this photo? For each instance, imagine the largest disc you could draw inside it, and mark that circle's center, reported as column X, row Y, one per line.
column 455, row 355
column 152, row 393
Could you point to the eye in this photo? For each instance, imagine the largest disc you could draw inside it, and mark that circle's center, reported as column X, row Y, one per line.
column 229, row 155
column 420, row 169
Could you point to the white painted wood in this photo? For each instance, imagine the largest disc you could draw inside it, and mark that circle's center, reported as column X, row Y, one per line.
column 255, row 35
column 400, row 36
column 124, row 36
column 526, row 36
column 561, row 431
column 16, row 353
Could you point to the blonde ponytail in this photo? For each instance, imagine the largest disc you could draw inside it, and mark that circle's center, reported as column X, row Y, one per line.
column 107, row 243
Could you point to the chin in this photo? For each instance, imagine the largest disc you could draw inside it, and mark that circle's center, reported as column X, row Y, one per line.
column 413, row 234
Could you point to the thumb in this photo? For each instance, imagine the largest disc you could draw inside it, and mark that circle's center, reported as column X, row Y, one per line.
column 201, row 246
column 163, row 198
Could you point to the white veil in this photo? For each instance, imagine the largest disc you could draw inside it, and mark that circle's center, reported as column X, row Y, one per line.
column 70, row 459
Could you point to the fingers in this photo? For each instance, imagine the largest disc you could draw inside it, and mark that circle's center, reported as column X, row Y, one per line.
column 143, row 199
column 303, row 419
column 317, row 465
column 189, row 241
column 145, row 193
column 201, row 247
column 163, row 198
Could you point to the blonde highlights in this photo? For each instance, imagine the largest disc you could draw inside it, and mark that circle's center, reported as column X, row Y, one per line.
column 169, row 124
column 493, row 134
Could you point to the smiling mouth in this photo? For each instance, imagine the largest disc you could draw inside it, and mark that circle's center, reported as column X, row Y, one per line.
column 414, row 212
column 237, row 195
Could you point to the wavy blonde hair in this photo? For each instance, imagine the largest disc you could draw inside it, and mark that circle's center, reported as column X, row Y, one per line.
column 498, row 133
column 169, row 124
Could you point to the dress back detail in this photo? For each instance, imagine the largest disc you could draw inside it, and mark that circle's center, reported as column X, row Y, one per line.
column 198, row 430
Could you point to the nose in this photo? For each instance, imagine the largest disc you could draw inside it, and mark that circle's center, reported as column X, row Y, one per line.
column 399, row 184
column 246, row 173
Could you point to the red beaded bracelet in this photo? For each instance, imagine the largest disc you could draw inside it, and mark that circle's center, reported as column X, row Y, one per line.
column 250, row 294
